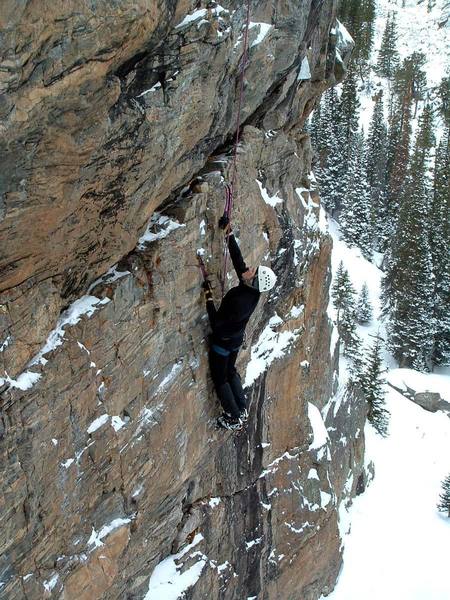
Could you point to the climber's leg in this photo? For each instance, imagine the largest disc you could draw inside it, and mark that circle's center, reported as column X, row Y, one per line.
column 235, row 382
column 218, row 363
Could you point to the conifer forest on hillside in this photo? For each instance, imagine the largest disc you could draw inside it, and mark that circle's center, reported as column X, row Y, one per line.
column 382, row 160
column 384, row 176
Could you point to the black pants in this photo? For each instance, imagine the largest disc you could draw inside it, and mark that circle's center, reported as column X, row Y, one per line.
column 227, row 382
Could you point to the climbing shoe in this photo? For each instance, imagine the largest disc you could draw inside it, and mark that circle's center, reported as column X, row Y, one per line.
column 244, row 415
column 227, row 422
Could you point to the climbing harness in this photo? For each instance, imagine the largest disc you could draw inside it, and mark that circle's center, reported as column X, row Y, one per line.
column 230, row 189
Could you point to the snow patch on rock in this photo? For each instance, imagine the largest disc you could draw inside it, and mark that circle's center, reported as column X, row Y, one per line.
column 163, row 225
column 271, row 345
column 167, row 582
column 264, row 29
column 320, row 434
column 270, row 200
column 97, row 537
column 84, row 306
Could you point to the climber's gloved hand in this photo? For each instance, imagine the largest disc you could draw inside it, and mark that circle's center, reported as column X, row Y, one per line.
column 224, row 221
column 206, row 285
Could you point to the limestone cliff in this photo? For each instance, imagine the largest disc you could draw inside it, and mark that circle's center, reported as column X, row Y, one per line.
column 111, row 469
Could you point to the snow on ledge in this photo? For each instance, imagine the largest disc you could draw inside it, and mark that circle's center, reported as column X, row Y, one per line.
column 155, row 87
column 420, row 382
column 97, row 423
column 313, row 474
column 270, row 346
column 343, row 38
column 305, row 71
column 271, row 200
column 297, row 311
column 176, row 368
column 201, row 14
column 195, row 16
column 5, row 344
column 97, row 536
column 167, row 582
column 49, row 584
column 264, row 29
column 116, row 423
column 163, row 222
column 274, row 465
column 312, row 221
column 86, row 305
column 318, row 426
column 252, row 543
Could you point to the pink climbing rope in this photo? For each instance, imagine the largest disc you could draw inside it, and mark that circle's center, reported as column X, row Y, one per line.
column 230, row 189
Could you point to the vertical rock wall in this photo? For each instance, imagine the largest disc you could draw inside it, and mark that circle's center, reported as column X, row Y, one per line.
column 112, row 473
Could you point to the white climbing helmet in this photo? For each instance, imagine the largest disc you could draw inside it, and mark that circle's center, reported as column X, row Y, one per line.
column 266, row 279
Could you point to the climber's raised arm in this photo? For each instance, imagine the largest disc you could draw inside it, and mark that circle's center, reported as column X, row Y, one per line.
column 242, row 271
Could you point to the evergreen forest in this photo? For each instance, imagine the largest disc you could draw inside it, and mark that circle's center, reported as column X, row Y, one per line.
column 387, row 185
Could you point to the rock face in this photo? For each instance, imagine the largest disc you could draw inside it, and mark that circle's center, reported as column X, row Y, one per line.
column 431, row 401
column 112, row 474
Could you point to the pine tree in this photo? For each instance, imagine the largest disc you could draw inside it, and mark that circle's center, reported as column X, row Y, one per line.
column 376, row 164
column 359, row 18
column 444, row 497
column 355, row 218
column 328, row 170
column 348, row 113
column 397, row 161
column 343, row 295
column 347, row 331
column 365, row 36
column 355, row 370
column 328, row 176
column 342, row 291
column 342, row 117
column 316, row 130
column 372, row 383
column 408, row 282
column 426, row 139
column 443, row 94
column 388, row 58
column 440, row 244
column 363, row 306
column 410, row 78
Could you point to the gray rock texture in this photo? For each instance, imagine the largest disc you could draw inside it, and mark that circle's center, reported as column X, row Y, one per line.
column 431, row 401
column 110, row 462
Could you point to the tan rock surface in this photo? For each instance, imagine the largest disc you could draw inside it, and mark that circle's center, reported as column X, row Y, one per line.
column 110, row 462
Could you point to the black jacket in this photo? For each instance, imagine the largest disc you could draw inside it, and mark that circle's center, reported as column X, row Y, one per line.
column 229, row 321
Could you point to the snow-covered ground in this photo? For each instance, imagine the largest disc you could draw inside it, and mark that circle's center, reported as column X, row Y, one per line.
column 397, row 543
column 361, row 271
column 418, row 31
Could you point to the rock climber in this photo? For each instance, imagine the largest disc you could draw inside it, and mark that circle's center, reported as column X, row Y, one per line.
column 228, row 324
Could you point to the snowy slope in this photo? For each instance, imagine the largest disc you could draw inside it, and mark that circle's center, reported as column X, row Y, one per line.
column 418, row 31
column 398, row 543
column 361, row 271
